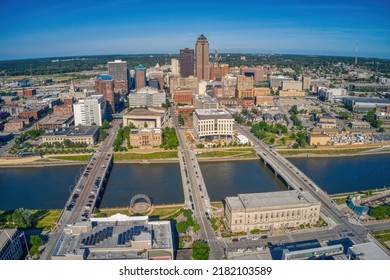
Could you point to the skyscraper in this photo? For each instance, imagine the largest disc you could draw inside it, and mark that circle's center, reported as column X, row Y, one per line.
column 202, row 58
column 140, row 77
column 104, row 85
column 118, row 71
column 175, row 67
column 186, row 62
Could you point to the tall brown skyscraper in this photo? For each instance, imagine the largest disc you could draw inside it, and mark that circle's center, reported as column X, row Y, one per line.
column 186, row 62
column 202, row 58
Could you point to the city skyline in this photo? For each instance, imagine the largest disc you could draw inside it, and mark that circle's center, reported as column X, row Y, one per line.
column 31, row 30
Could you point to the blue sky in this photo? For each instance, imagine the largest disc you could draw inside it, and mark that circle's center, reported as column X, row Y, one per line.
column 43, row 28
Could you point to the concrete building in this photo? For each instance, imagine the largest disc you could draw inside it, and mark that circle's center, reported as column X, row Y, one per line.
column 318, row 139
column 156, row 78
column 306, row 81
column 151, row 118
column 90, row 110
column 53, row 122
column 213, row 124
column 326, row 125
column 363, row 104
column 117, row 237
column 146, row 137
column 118, row 71
column 224, row 69
column 291, row 93
column 264, row 100
column 61, row 110
column 147, row 96
column 175, row 67
column 215, row 73
column 292, row 85
column 367, row 251
column 10, row 244
column 317, row 253
column 205, row 101
column 275, row 82
column 244, row 86
column 359, row 125
column 202, row 58
column 261, row 91
column 177, row 83
column 34, row 112
column 187, row 62
column 182, row 96
column 332, row 94
column 104, row 85
column 272, row 210
column 256, row 72
column 140, row 77
column 15, row 124
column 78, row 134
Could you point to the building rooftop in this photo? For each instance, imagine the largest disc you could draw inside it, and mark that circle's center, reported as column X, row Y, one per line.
column 104, row 77
column 115, row 237
column 55, row 120
column 213, row 113
column 154, row 130
column 369, row 100
column 5, row 235
column 142, row 112
column 139, row 67
column 369, row 251
column 270, row 199
column 76, row 131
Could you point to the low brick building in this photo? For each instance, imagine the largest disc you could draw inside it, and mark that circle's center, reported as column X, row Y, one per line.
column 182, row 96
column 61, row 110
column 14, row 125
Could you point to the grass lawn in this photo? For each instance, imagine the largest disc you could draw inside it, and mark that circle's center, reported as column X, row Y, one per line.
column 240, row 153
column 48, row 221
column 135, row 156
column 382, row 236
column 323, row 151
column 84, row 158
column 158, row 211
column 42, row 219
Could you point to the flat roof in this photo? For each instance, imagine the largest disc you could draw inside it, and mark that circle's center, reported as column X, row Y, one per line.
column 369, row 251
column 111, row 237
column 271, row 199
column 213, row 114
column 83, row 130
column 142, row 112
column 5, row 235
column 55, row 120
column 369, row 100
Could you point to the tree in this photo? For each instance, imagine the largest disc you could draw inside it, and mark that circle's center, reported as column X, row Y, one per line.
column 22, row 218
column 181, row 227
column 106, row 124
column 200, row 250
column 36, row 240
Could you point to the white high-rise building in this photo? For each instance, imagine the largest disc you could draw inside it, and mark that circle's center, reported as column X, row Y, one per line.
column 90, row 110
column 175, row 67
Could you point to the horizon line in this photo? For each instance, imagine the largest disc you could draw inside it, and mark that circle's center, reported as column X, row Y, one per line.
column 177, row 54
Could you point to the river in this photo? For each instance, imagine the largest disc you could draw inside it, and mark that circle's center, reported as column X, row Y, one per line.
column 48, row 187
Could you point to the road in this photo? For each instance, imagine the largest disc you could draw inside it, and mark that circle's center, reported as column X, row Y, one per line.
column 86, row 193
column 200, row 203
column 299, row 181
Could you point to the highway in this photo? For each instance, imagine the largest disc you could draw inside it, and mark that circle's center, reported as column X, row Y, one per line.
column 299, row 181
column 85, row 195
column 197, row 191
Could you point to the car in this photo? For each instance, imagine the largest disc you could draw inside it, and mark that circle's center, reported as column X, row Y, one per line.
column 248, row 249
column 255, row 238
column 243, row 238
column 235, row 240
column 240, row 250
column 259, row 248
column 264, row 237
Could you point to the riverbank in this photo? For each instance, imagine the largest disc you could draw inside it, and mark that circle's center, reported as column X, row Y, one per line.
column 336, row 152
column 171, row 156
